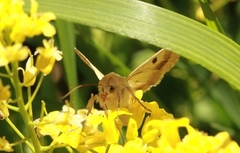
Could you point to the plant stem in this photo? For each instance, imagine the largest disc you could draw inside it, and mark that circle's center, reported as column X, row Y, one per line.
column 22, row 110
column 19, row 133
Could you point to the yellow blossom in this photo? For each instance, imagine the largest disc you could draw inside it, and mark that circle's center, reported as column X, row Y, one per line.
column 110, row 128
column 101, row 131
column 63, row 122
column 4, row 145
column 70, row 135
column 29, row 75
column 16, row 25
column 5, row 93
column 46, row 126
column 163, row 131
column 156, row 112
column 137, row 145
column 132, row 132
column 42, row 21
column 137, row 110
column 47, row 56
column 116, row 148
column 12, row 53
column 3, row 109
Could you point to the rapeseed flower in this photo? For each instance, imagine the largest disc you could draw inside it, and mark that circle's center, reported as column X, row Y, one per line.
column 103, row 131
column 47, row 56
column 16, row 25
column 30, row 72
column 5, row 145
column 3, row 109
column 5, row 93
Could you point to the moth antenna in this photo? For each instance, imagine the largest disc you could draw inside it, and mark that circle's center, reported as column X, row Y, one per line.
column 79, row 86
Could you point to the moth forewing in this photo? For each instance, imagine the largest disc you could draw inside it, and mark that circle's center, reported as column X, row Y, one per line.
column 85, row 60
column 150, row 72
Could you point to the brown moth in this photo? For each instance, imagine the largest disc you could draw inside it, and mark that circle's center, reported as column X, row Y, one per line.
column 116, row 91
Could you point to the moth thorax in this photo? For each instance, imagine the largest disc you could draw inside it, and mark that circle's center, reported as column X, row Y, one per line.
column 113, row 91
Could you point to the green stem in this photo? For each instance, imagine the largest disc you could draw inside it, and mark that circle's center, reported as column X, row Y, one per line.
column 4, row 75
column 9, row 72
column 19, row 133
column 30, row 106
column 22, row 110
column 16, row 109
column 35, row 91
column 20, row 142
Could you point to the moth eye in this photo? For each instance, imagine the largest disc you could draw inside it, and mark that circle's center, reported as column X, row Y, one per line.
column 111, row 88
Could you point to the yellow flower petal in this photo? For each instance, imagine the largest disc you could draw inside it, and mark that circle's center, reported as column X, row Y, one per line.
column 109, row 126
column 114, row 148
column 47, row 56
column 48, row 30
column 29, row 75
column 132, row 128
column 3, row 109
column 5, row 146
column 135, row 145
column 151, row 135
column 5, row 93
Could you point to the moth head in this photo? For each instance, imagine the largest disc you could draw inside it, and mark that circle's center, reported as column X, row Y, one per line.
column 112, row 83
column 114, row 91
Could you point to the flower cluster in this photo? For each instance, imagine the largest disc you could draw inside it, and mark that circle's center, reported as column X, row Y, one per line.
column 157, row 132
column 15, row 27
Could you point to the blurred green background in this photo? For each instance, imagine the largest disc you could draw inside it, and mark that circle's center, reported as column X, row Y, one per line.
column 188, row 90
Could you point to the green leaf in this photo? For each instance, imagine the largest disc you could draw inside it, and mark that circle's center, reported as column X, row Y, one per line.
column 66, row 36
column 157, row 26
column 210, row 17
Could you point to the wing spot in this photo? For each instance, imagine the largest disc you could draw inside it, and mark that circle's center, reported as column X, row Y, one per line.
column 165, row 61
column 154, row 60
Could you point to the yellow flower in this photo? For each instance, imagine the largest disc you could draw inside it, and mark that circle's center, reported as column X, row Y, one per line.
column 5, row 94
column 70, row 135
column 29, row 75
column 132, row 132
column 137, row 145
column 16, row 25
column 156, row 112
column 158, row 133
column 116, row 148
column 3, row 109
column 110, row 129
column 5, row 146
column 46, row 126
column 47, row 56
column 42, row 21
column 137, row 110
column 61, row 125
column 12, row 53
column 101, row 131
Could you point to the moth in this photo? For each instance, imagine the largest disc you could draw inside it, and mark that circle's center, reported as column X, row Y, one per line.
column 116, row 91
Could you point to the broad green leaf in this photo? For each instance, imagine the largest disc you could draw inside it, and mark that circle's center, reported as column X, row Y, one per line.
column 157, row 26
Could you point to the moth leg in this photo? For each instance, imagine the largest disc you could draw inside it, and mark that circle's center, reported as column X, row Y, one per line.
column 102, row 101
column 135, row 98
column 90, row 103
column 105, row 108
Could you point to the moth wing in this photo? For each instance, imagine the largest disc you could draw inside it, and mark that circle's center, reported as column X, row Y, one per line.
column 85, row 60
column 151, row 72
